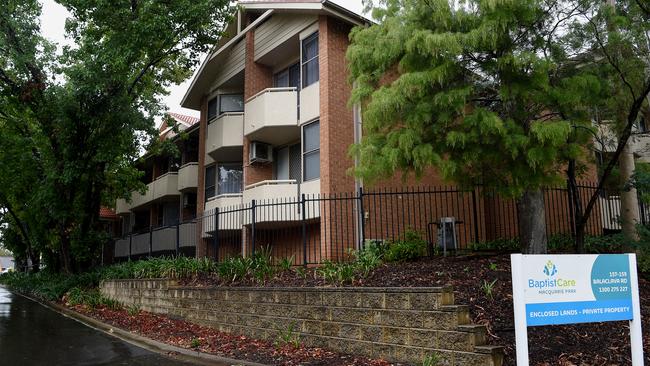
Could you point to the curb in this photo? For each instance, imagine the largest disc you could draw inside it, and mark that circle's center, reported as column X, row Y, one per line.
column 181, row 354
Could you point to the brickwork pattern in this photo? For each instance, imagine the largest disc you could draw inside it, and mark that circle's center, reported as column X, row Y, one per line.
column 397, row 324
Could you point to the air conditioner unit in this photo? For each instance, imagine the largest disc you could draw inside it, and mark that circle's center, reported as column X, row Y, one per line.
column 260, row 153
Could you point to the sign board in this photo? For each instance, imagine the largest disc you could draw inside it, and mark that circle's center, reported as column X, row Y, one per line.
column 569, row 289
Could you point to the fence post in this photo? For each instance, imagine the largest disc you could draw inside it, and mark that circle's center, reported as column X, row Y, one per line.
column 150, row 241
column 571, row 209
column 216, row 234
column 475, row 214
column 304, row 231
column 178, row 237
column 130, row 244
column 362, row 220
column 253, row 205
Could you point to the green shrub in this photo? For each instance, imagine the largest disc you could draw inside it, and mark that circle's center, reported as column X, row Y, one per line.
column 411, row 248
column 288, row 336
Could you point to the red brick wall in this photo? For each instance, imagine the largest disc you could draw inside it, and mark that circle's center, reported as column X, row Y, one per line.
column 336, row 118
column 257, row 78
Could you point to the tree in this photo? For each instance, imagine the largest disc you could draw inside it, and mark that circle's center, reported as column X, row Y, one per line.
column 84, row 115
column 615, row 49
column 466, row 87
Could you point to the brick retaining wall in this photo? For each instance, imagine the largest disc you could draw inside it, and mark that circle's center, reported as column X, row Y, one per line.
column 397, row 324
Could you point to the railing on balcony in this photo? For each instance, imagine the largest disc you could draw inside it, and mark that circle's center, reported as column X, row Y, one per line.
column 225, row 132
column 188, row 175
column 273, row 107
column 176, row 239
column 163, row 186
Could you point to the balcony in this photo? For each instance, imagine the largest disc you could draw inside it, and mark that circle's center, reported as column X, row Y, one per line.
column 164, row 186
column 271, row 116
column 159, row 240
column 188, row 176
column 226, row 137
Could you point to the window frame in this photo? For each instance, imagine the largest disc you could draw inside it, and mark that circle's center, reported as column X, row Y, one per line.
column 220, row 111
column 304, row 63
column 311, row 152
column 218, row 172
column 214, row 182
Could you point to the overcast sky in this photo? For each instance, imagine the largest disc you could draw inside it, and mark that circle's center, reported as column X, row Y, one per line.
column 53, row 23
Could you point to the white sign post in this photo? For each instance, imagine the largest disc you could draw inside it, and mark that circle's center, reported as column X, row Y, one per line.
column 569, row 289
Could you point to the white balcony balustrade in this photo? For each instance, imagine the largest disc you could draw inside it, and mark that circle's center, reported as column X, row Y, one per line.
column 271, row 116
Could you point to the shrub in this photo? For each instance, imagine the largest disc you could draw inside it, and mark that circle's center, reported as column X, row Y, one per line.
column 411, row 248
column 288, row 336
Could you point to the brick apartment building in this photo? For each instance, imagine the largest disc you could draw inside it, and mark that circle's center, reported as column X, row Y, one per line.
column 275, row 125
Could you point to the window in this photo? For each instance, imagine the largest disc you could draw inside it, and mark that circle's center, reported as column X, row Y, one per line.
column 310, row 60
column 231, row 103
column 311, row 151
column 289, row 77
column 212, row 108
column 210, row 181
column 231, row 178
column 287, row 163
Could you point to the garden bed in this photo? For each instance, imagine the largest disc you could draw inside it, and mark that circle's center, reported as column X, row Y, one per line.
column 188, row 335
column 483, row 283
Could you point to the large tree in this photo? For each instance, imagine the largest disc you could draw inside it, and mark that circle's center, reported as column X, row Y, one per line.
column 466, row 87
column 613, row 38
column 84, row 115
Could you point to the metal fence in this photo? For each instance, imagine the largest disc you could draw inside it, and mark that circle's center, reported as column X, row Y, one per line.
column 313, row 229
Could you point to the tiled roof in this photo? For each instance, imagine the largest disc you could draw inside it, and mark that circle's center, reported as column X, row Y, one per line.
column 187, row 120
column 107, row 213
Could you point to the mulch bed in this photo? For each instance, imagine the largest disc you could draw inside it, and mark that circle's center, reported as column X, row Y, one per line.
column 186, row 335
column 585, row 344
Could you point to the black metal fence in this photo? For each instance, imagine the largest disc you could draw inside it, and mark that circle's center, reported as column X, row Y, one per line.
column 313, row 229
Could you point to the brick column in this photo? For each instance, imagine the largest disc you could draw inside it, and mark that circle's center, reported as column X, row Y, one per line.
column 257, row 77
column 201, row 248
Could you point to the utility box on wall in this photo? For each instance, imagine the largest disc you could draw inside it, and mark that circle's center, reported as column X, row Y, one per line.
column 447, row 234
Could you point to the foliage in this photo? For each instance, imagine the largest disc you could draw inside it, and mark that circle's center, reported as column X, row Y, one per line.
column 431, row 360
column 133, row 310
column 286, row 263
column 288, row 336
column 74, row 122
column 643, row 250
column 195, row 343
column 641, row 181
column 90, row 297
column 410, row 248
column 464, row 87
column 488, row 288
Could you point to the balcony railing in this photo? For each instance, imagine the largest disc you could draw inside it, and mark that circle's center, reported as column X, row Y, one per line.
column 164, row 186
column 188, row 175
column 166, row 239
column 225, row 134
column 272, row 115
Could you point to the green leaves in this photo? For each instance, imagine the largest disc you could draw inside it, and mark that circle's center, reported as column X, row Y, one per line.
column 472, row 87
column 80, row 134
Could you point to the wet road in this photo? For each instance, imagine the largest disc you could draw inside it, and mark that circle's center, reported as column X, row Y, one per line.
column 31, row 334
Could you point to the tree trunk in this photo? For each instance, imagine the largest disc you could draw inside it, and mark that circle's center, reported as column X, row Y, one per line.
column 630, row 215
column 65, row 253
column 532, row 222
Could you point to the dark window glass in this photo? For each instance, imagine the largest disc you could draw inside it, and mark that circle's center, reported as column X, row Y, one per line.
column 289, row 77
column 210, row 181
column 310, row 60
column 311, row 151
column 231, row 103
column 231, row 178
column 212, row 108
